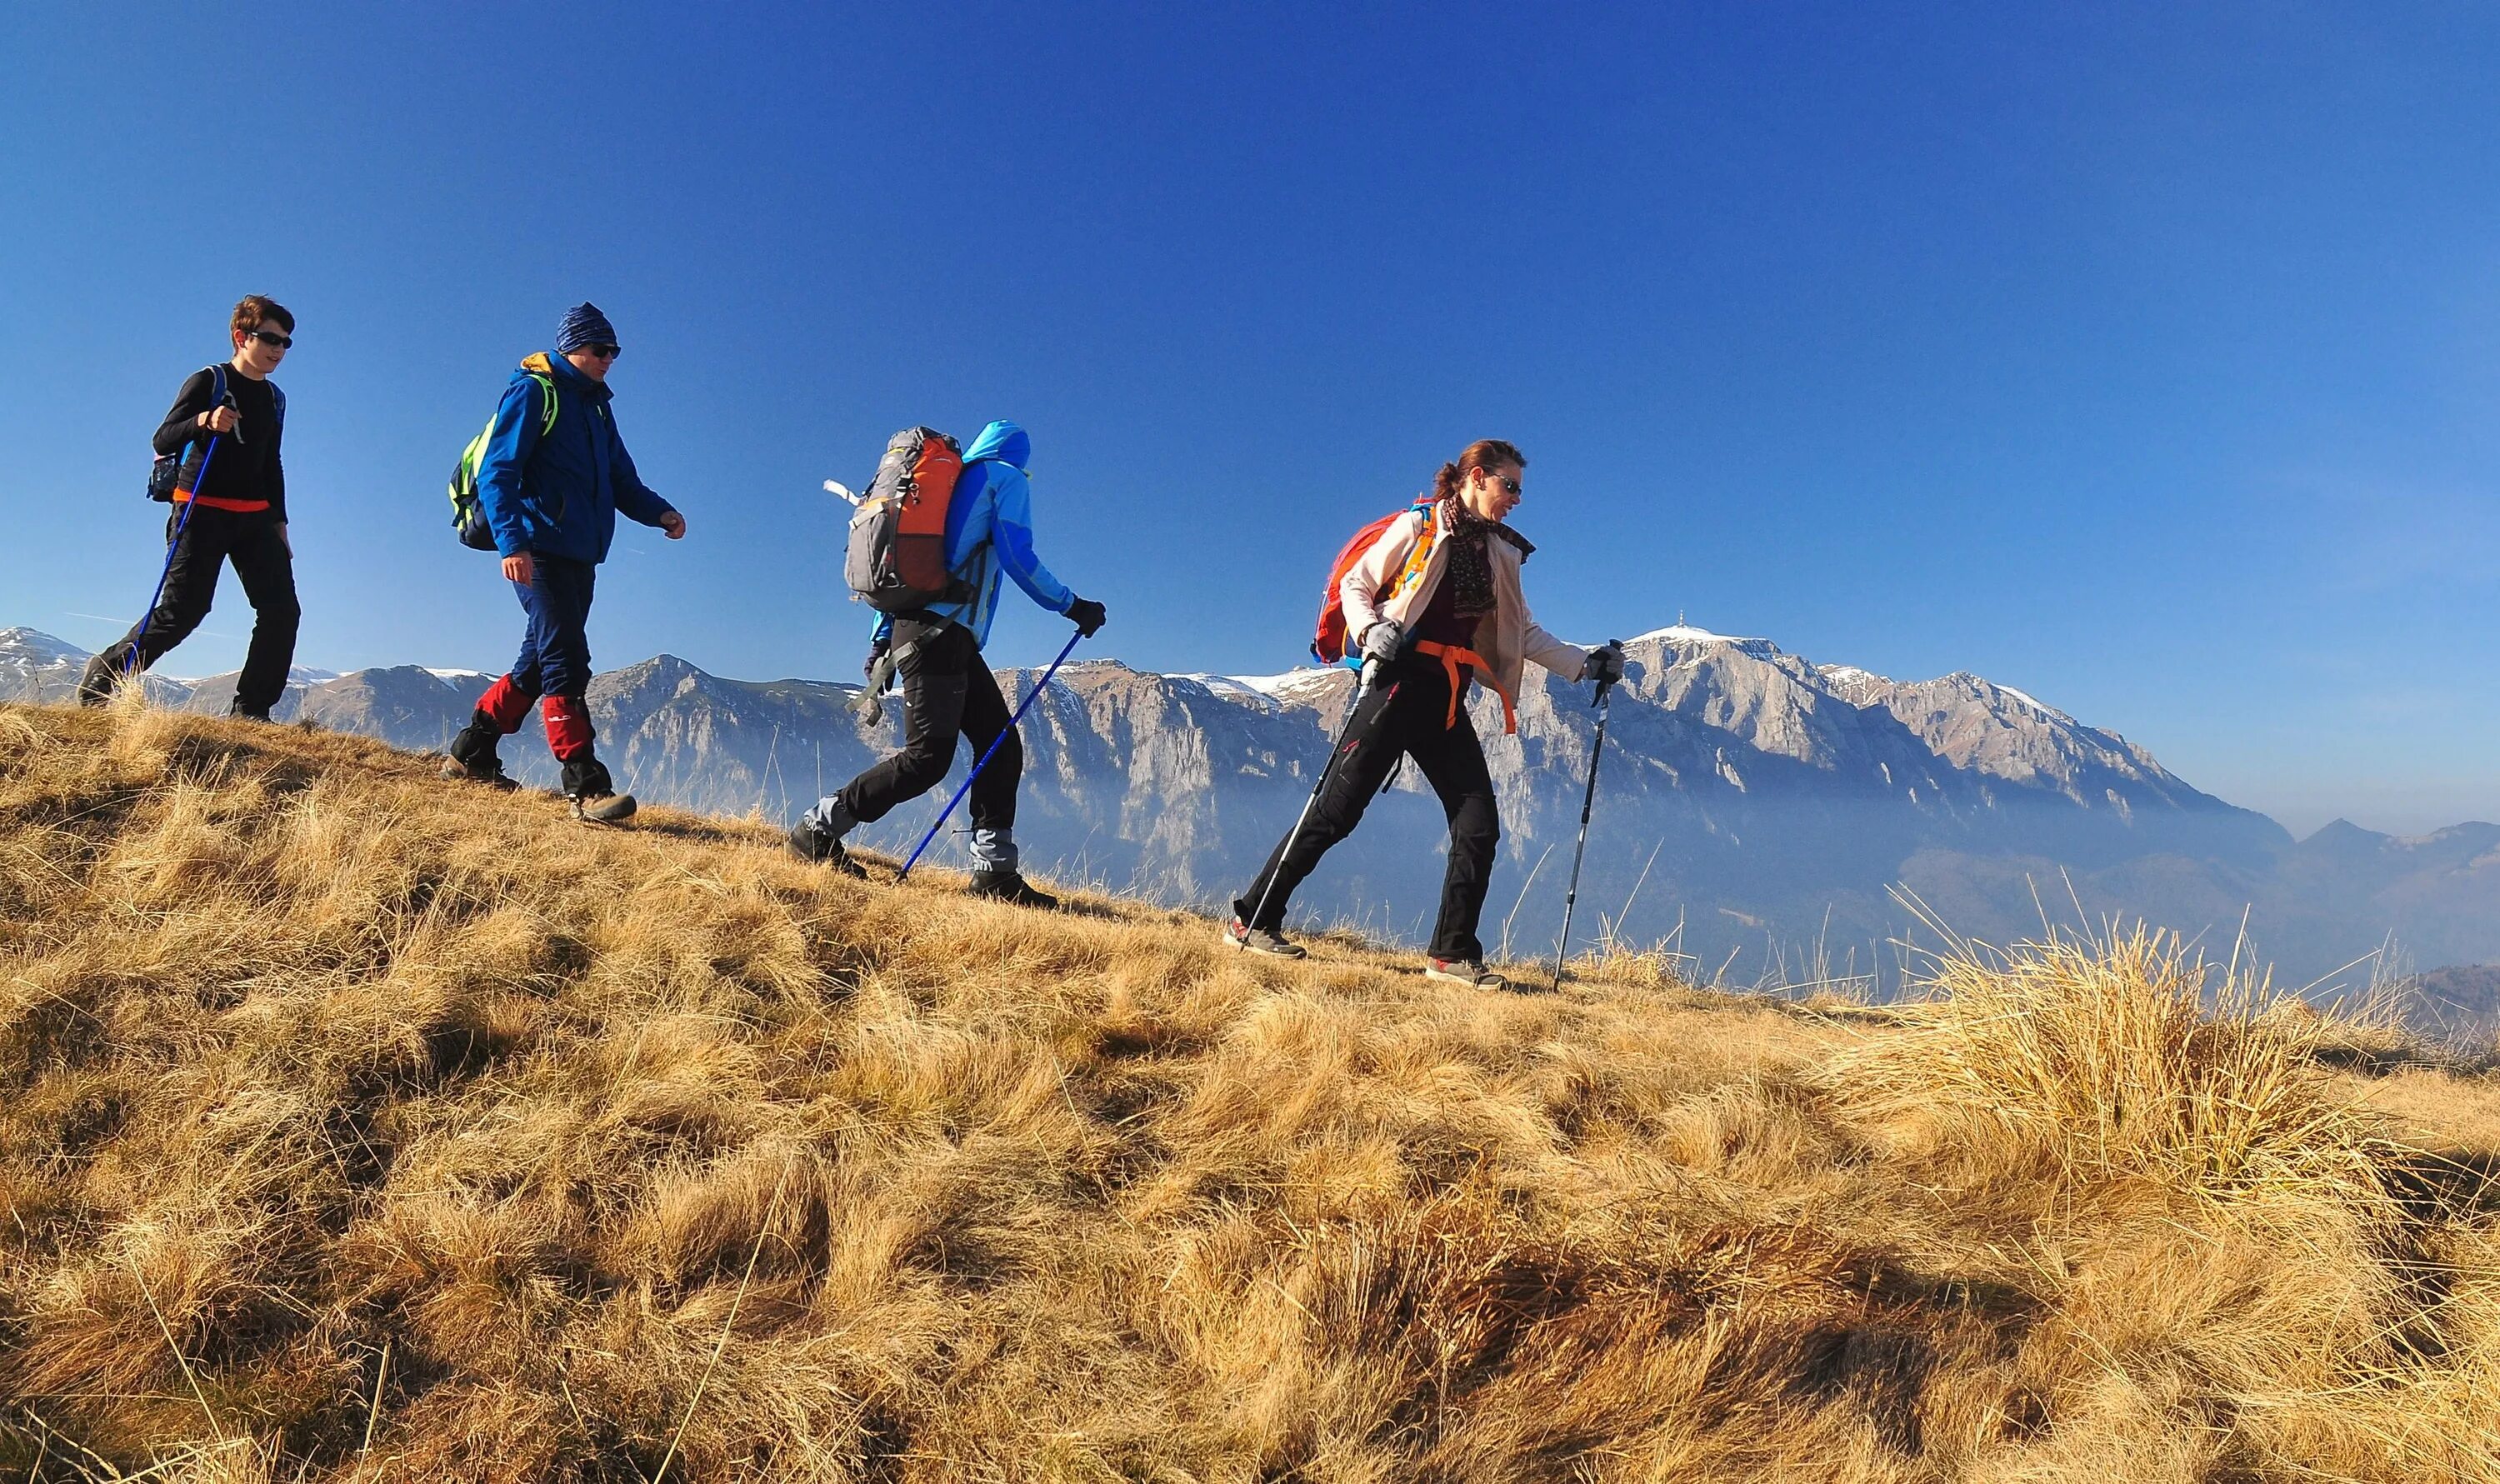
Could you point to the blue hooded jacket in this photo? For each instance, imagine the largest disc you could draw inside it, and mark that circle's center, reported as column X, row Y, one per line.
column 988, row 531
column 558, row 495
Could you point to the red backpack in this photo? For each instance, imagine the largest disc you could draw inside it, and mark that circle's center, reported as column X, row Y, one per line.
column 896, row 561
column 1328, row 641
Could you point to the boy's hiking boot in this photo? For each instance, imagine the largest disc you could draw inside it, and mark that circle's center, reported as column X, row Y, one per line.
column 1011, row 887
column 811, row 844
column 1462, row 970
column 473, row 755
column 95, row 683
column 603, row 808
column 1252, row 940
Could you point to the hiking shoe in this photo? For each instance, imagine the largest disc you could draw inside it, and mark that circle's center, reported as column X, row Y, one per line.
column 1464, row 970
column 488, row 771
column 810, row 843
column 1260, row 940
column 95, row 683
column 242, row 713
column 1011, row 887
column 603, row 808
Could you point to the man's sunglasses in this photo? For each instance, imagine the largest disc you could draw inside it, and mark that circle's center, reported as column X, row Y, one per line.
column 272, row 338
column 604, row 352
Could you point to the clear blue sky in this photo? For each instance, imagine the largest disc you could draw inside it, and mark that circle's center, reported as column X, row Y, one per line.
column 2140, row 356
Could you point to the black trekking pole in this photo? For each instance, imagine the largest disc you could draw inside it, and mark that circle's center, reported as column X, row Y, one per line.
column 987, row 753
column 1363, row 684
column 173, row 544
column 1588, row 798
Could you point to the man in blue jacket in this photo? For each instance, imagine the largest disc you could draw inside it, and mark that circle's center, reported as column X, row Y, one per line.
column 947, row 690
column 553, row 477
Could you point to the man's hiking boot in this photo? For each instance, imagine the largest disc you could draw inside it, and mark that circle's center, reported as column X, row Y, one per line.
column 1260, row 940
column 1010, row 886
column 1462, row 970
column 593, row 792
column 471, row 756
column 489, row 772
column 603, row 808
column 810, row 843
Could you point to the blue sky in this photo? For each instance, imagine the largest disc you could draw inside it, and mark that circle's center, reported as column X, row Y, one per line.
column 2140, row 356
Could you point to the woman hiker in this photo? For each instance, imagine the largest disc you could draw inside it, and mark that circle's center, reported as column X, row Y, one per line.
column 1436, row 605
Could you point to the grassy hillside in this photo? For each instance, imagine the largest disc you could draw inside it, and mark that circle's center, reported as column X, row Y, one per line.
column 352, row 1128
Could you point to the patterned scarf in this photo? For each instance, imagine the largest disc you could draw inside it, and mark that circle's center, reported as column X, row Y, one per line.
column 1471, row 570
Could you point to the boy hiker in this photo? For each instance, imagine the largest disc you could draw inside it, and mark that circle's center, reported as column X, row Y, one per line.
column 947, row 689
column 552, row 482
column 1432, row 605
column 236, row 511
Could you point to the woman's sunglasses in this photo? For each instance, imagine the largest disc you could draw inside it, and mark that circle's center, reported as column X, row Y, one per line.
column 272, row 338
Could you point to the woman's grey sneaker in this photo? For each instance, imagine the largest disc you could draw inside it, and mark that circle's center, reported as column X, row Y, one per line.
column 1011, row 887
column 811, row 844
column 1468, row 971
column 603, row 808
column 1260, row 940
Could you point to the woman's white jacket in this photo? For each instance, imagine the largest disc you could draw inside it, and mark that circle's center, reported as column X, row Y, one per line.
column 1396, row 580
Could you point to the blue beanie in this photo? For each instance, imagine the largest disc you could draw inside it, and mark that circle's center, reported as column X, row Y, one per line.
column 584, row 325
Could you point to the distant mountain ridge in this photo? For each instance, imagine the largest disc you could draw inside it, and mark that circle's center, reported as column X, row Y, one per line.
column 1756, row 808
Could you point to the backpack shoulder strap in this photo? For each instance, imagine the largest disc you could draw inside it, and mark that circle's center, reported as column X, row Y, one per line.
column 546, row 402
column 278, row 398
column 218, row 394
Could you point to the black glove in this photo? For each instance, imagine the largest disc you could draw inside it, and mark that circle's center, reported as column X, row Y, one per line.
column 1605, row 665
column 1087, row 614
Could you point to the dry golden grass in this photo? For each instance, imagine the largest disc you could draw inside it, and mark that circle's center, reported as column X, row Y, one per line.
column 357, row 1128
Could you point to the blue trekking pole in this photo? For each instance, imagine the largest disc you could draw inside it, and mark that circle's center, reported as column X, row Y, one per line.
column 992, row 750
column 131, row 660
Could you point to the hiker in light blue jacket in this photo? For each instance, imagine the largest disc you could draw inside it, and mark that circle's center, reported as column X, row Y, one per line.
column 947, row 689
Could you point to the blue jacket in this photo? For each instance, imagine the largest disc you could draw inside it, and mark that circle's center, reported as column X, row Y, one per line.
column 988, row 531
column 559, row 495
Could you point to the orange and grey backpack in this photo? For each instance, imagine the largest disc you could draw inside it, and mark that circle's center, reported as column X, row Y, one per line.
column 1328, row 639
column 896, row 558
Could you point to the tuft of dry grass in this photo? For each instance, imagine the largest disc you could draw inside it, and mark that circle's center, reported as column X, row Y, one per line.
column 358, row 1128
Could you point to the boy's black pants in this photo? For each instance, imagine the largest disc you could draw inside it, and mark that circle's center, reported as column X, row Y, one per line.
column 212, row 539
column 947, row 693
column 1408, row 716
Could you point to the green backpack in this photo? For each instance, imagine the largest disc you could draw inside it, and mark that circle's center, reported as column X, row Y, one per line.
column 467, row 511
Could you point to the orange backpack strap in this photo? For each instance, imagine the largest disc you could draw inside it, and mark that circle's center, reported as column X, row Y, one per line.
column 1452, row 657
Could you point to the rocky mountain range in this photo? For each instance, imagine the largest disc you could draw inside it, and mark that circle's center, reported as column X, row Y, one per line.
column 1764, row 813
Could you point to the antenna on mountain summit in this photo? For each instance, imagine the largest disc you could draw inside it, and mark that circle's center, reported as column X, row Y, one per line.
column 1679, row 618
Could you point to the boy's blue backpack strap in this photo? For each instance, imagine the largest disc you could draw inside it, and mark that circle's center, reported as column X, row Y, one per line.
column 279, row 397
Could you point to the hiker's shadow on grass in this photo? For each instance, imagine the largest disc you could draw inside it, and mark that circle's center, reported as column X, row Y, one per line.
column 2447, row 1185
column 704, row 830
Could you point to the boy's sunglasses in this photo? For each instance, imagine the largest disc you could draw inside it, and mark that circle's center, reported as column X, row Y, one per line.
column 270, row 338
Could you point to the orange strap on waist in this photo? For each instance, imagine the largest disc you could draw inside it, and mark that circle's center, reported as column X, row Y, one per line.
column 221, row 503
column 1451, row 658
